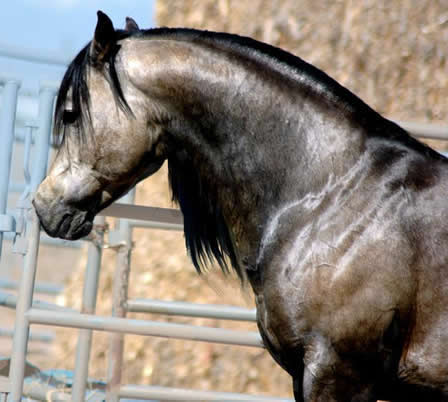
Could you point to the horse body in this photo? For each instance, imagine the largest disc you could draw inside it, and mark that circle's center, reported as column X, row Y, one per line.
column 334, row 214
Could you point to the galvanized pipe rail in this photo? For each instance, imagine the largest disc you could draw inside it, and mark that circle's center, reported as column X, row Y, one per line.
column 7, row 121
column 46, row 98
column 144, row 327
column 425, row 130
column 10, row 301
column 41, row 287
column 120, row 240
column 184, row 309
column 89, row 297
column 32, row 55
column 179, row 394
column 46, row 337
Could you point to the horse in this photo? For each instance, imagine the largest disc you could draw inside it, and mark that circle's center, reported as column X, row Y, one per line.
column 334, row 215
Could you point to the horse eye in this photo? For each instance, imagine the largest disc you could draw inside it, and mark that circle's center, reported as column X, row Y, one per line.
column 69, row 117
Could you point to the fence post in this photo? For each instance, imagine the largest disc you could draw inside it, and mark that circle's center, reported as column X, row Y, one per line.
column 90, row 292
column 42, row 141
column 25, row 299
column 7, row 121
column 122, row 242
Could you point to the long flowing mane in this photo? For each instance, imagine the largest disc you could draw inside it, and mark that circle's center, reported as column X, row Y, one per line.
column 207, row 235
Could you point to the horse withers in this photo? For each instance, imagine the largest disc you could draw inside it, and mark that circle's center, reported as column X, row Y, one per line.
column 333, row 214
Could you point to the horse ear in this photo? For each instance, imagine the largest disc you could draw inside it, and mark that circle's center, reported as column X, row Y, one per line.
column 131, row 25
column 103, row 39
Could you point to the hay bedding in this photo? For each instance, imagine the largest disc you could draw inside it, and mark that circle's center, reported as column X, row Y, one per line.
column 392, row 54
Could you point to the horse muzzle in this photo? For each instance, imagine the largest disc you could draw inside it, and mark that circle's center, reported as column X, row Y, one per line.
column 61, row 220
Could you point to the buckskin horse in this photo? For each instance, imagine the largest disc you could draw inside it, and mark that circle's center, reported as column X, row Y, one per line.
column 335, row 215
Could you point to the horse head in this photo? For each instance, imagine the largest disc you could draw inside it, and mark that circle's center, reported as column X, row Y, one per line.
column 106, row 141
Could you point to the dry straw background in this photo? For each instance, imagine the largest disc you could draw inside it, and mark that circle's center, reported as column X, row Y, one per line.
column 393, row 54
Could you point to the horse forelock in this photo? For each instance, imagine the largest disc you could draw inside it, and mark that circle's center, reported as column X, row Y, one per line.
column 74, row 85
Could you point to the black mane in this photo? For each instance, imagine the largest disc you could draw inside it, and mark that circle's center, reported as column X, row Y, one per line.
column 207, row 236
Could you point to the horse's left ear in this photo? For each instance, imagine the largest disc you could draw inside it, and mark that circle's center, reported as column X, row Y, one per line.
column 103, row 40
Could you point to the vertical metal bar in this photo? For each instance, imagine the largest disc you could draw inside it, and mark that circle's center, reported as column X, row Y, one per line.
column 25, row 299
column 7, row 120
column 88, row 306
column 26, row 162
column 42, row 142
column 120, row 295
column 21, row 329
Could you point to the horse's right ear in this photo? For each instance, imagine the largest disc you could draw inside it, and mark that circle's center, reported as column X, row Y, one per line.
column 103, row 40
column 131, row 25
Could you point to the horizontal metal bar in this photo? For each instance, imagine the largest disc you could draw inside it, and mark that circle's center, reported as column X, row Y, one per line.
column 10, row 301
column 7, row 223
column 215, row 311
column 140, row 212
column 179, row 394
column 139, row 224
column 15, row 187
column 41, row 392
column 5, row 385
column 20, row 135
column 40, row 287
column 50, row 241
column 33, row 55
column 425, row 130
column 145, row 327
column 34, row 336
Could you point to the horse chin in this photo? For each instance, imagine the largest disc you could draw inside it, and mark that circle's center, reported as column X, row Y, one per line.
column 76, row 232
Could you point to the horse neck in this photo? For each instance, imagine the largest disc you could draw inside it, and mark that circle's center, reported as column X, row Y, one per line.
column 259, row 138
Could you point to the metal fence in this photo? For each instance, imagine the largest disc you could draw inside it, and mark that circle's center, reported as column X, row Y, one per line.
column 23, row 225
